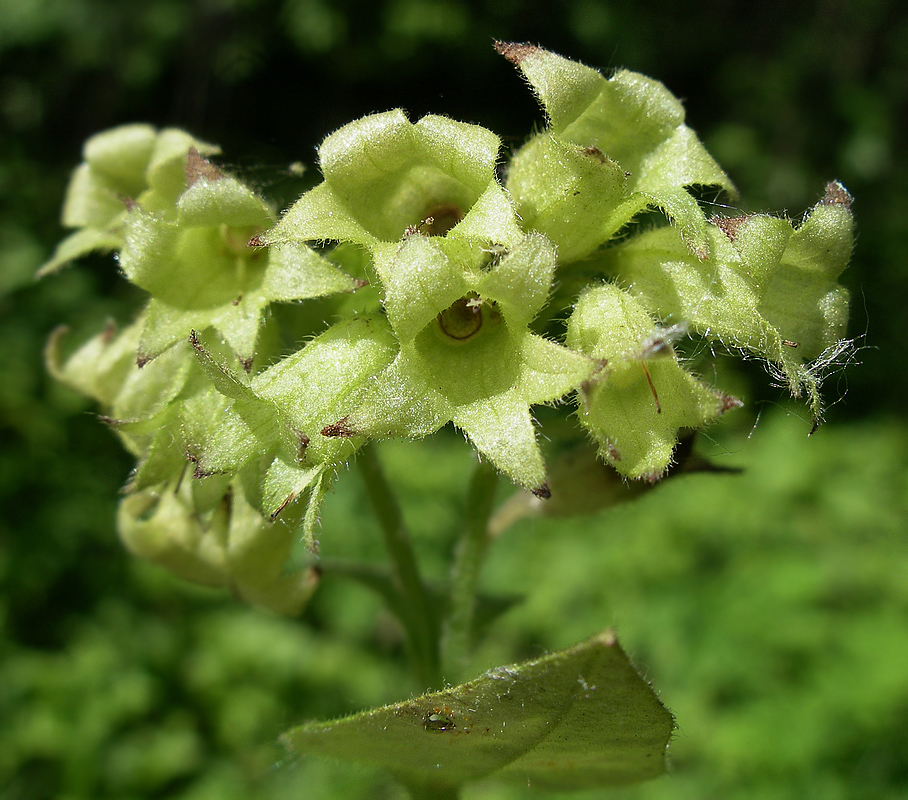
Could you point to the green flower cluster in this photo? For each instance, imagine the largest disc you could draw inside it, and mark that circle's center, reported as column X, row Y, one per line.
column 478, row 297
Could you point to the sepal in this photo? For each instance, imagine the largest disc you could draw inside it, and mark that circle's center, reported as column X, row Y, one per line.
column 575, row 195
column 420, row 281
column 104, row 369
column 269, row 428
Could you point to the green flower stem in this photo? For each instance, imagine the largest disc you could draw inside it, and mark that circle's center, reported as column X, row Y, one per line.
column 465, row 572
column 417, row 617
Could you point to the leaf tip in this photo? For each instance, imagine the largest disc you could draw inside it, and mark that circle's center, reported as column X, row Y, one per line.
column 515, row 52
column 729, row 225
column 286, row 502
column 197, row 167
column 837, row 195
column 195, row 343
column 729, row 403
column 608, row 638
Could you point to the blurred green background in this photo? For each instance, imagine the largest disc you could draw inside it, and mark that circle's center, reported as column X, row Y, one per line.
column 770, row 608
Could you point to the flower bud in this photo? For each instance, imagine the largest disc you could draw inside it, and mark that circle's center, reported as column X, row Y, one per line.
column 131, row 163
column 636, row 405
column 770, row 287
column 613, row 147
column 386, row 177
column 212, row 536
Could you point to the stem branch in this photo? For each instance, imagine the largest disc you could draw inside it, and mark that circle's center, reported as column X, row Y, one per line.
column 468, row 558
column 417, row 617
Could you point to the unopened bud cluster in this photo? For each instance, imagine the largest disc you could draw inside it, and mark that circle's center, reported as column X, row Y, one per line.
column 459, row 298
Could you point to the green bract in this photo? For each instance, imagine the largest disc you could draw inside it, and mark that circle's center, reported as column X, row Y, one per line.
column 486, row 300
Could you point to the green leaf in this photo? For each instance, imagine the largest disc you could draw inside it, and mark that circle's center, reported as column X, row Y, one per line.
column 578, row 718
